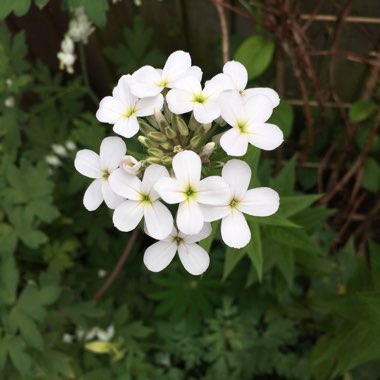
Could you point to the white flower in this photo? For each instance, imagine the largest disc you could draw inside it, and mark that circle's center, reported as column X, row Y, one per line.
column 70, row 145
column 248, row 120
column 261, row 201
column 67, row 44
column 130, row 165
column 67, row 338
column 193, row 257
column 102, row 273
column 188, row 96
column 148, row 81
column 80, row 27
column 9, row 102
column 142, row 202
column 238, row 76
column 106, row 335
column 53, row 160
column 123, row 108
column 190, row 191
column 59, row 150
column 100, row 167
column 66, row 56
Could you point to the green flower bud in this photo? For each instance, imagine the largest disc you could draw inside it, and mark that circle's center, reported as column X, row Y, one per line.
column 180, row 125
column 193, row 124
column 166, row 145
column 100, row 347
column 195, row 141
column 153, row 160
column 170, row 132
column 203, row 129
column 157, row 136
column 216, row 164
column 147, row 142
column 155, row 152
column 220, row 121
column 146, row 127
column 152, row 121
column 166, row 160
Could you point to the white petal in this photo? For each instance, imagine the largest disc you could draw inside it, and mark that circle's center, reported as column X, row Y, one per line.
column 87, row 163
column 261, row 201
column 232, row 108
column 125, row 185
column 151, row 175
column 204, row 232
column 187, row 167
column 112, row 150
column 266, row 136
column 177, row 64
column 126, row 127
column 237, row 174
column 238, row 74
column 213, row 190
column 189, row 217
column 196, row 72
column 259, row 108
column 127, row 215
column 189, row 84
column 194, row 258
column 147, row 106
column 212, row 213
column 110, row 110
column 93, row 196
column 235, row 230
column 218, row 84
column 158, row 220
column 270, row 93
column 111, row 199
column 159, row 255
column 179, row 101
column 207, row 112
column 170, row 190
column 234, row 143
column 122, row 92
column 145, row 82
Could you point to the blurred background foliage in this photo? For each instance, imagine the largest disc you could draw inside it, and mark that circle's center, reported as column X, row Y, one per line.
column 300, row 302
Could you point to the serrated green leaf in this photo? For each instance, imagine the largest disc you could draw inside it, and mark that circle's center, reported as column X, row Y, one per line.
column 291, row 205
column 232, row 257
column 311, row 218
column 29, row 303
column 273, row 220
column 361, row 110
column 255, row 53
column 284, row 182
column 9, row 280
column 21, row 361
column 49, row 295
column 8, row 238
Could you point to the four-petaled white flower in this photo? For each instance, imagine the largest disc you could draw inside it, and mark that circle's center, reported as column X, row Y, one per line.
column 188, row 96
column 261, row 201
column 99, row 167
column 238, row 76
column 193, row 257
column 149, row 81
column 248, row 119
column 142, row 202
column 122, row 108
column 190, row 191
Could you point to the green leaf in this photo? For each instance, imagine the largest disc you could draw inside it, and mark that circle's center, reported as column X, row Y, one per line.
column 311, row 218
column 41, row 3
column 255, row 53
column 291, row 205
column 9, row 280
column 284, row 182
column 273, row 220
column 21, row 361
column 283, row 117
column 371, row 177
column 21, row 7
column 6, row 7
column 254, row 249
column 232, row 257
column 361, row 110
column 96, row 11
column 8, row 238
column 49, row 294
column 206, row 243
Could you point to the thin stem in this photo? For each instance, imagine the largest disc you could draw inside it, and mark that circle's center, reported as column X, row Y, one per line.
column 119, row 265
column 82, row 59
column 224, row 30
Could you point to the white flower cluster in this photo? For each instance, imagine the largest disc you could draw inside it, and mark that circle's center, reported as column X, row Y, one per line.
column 59, row 152
column 88, row 335
column 223, row 112
column 80, row 28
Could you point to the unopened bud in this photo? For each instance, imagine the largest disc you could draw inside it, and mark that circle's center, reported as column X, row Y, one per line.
column 193, row 124
column 180, row 125
column 170, row 132
column 100, row 347
column 208, row 149
column 152, row 121
column 166, row 145
column 177, row 149
column 147, row 142
column 216, row 164
column 59, row 150
column 203, row 129
column 157, row 136
column 155, row 152
column 166, row 160
column 153, row 160
column 195, row 141
column 216, row 138
column 159, row 117
column 145, row 127
column 220, row 121
column 130, row 165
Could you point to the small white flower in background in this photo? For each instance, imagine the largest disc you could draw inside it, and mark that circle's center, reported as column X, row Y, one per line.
column 59, row 150
column 68, row 338
column 9, row 102
column 193, row 257
column 102, row 273
column 9, row 82
column 130, row 165
column 122, row 108
column 142, row 202
column 106, row 335
column 53, row 160
column 190, row 191
column 70, row 145
column 238, row 76
column 67, row 56
column 248, row 120
column 148, row 81
column 96, row 332
column 188, row 96
column 261, row 201
column 80, row 27
column 100, row 167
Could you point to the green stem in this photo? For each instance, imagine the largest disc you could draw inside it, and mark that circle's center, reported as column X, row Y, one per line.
column 86, row 81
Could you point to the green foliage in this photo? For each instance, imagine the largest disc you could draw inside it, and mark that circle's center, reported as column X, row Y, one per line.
column 361, row 110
